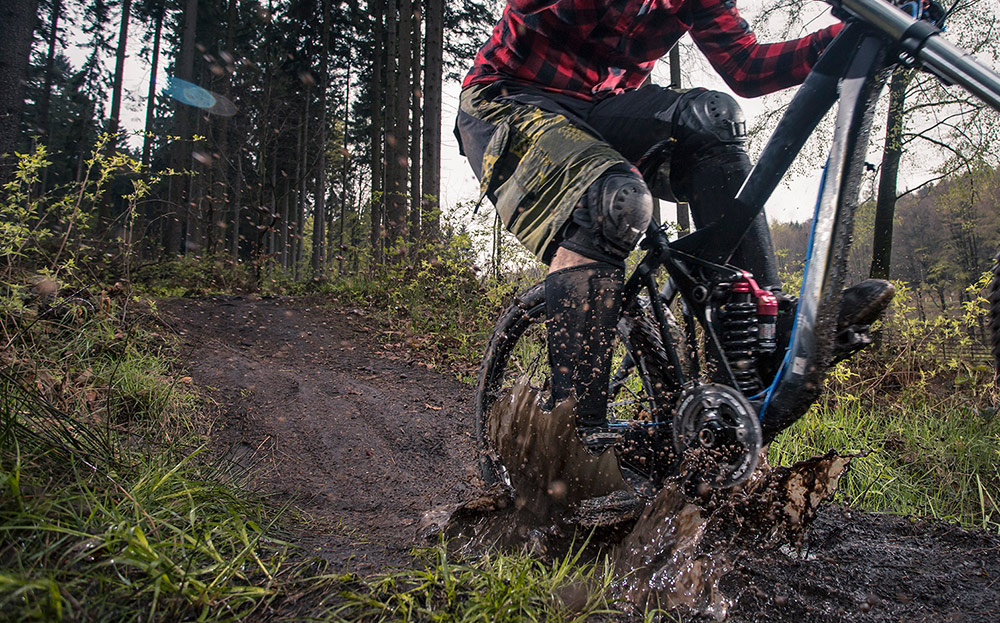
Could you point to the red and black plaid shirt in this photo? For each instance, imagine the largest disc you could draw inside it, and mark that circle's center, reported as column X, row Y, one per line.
column 592, row 48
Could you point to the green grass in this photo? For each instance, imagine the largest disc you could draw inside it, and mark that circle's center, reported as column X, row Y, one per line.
column 938, row 459
column 154, row 541
column 498, row 588
column 109, row 509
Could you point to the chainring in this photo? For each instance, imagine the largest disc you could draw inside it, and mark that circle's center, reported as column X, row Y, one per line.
column 717, row 435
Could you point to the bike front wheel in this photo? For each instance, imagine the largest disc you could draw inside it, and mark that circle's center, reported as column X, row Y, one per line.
column 993, row 316
column 640, row 390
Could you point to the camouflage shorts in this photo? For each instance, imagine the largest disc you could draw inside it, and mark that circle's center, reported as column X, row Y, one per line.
column 535, row 165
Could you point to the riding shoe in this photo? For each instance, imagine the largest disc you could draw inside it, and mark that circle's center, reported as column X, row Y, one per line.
column 863, row 303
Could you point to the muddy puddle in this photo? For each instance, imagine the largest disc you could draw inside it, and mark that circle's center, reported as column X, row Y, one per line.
column 670, row 549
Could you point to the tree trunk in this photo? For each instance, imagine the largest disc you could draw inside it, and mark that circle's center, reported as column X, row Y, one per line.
column 147, row 141
column 400, row 103
column 319, row 211
column 181, row 150
column 377, row 127
column 300, row 214
column 683, row 212
column 415, row 95
column 50, row 57
column 116, row 88
column 272, row 226
column 391, row 159
column 296, row 196
column 344, row 171
column 18, row 18
column 222, row 161
column 44, row 117
column 885, row 205
column 237, row 200
column 154, row 206
column 433, row 72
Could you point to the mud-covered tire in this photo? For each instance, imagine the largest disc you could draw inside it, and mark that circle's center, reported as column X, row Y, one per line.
column 511, row 325
column 993, row 317
column 636, row 334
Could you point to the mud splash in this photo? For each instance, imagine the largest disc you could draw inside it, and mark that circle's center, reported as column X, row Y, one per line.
column 680, row 548
column 664, row 562
column 558, row 490
column 669, row 551
column 549, row 468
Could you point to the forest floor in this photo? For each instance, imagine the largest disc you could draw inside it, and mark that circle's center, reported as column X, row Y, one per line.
column 363, row 436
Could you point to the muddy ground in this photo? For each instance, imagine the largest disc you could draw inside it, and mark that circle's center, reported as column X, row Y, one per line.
column 364, row 436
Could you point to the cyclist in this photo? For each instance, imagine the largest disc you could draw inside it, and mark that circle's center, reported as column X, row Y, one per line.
column 555, row 124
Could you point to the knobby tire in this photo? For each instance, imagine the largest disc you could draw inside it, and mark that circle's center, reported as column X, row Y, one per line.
column 993, row 298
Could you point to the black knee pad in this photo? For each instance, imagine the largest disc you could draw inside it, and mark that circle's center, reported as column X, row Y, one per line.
column 707, row 120
column 715, row 167
column 706, row 124
column 612, row 216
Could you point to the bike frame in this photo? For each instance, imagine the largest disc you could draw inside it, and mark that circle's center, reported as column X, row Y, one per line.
column 851, row 73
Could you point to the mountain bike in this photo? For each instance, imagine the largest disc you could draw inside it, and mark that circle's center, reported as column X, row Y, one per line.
column 706, row 364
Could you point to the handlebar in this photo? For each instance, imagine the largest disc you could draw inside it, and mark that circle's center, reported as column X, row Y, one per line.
column 921, row 40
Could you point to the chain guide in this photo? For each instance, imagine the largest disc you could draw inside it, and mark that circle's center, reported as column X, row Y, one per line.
column 717, row 434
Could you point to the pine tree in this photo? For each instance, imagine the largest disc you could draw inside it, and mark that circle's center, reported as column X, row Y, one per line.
column 19, row 18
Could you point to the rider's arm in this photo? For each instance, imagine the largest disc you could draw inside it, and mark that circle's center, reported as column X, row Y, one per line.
column 748, row 67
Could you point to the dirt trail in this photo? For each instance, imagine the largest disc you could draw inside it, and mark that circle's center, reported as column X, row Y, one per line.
column 365, row 438
column 362, row 439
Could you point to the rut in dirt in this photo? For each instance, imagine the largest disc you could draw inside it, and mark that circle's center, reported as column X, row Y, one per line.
column 364, row 438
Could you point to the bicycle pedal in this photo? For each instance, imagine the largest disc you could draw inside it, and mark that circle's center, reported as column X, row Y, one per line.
column 597, row 439
column 850, row 340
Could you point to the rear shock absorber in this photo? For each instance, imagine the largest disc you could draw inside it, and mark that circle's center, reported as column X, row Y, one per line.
column 748, row 321
column 739, row 336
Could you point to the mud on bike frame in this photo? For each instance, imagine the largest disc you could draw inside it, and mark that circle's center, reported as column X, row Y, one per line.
column 851, row 73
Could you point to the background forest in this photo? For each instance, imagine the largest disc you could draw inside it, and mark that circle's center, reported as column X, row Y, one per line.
column 320, row 147
column 295, row 152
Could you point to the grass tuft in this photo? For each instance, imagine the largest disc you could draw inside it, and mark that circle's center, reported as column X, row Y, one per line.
column 498, row 587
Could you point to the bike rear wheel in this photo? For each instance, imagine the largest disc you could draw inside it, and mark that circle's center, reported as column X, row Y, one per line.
column 517, row 349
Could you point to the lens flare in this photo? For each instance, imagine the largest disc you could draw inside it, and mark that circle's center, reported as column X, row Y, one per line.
column 199, row 97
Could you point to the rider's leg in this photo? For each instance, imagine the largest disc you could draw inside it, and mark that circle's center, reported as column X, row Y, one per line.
column 583, row 289
column 572, row 200
column 710, row 166
column 695, row 141
column 583, row 300
column 713, row 181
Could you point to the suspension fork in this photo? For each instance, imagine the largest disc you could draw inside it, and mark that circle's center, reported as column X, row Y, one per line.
column 799, row 381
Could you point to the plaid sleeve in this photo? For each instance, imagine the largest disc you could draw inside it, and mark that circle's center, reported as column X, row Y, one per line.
column 748, row 67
